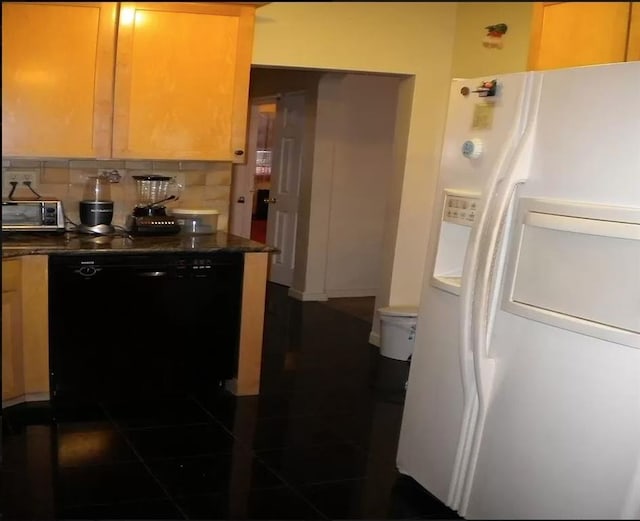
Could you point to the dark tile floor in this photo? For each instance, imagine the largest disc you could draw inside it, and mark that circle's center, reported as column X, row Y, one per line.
column 318, row 443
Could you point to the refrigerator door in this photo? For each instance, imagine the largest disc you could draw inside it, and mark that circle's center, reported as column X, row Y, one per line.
column 481, row 136
column 560, row 436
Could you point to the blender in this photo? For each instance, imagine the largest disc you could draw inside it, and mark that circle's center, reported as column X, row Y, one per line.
column 96, row 207
column 149, row 216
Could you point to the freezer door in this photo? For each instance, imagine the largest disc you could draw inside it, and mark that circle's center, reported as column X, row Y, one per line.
column 481, row 133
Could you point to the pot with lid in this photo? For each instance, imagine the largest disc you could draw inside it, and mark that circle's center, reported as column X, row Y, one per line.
column 196, row 221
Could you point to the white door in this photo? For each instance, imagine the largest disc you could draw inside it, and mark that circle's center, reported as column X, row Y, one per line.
column 242, row 181
column 286, row 169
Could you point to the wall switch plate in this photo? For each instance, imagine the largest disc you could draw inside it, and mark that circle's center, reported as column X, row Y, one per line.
column 19, row 176
column 179, row 178
column 115, row 175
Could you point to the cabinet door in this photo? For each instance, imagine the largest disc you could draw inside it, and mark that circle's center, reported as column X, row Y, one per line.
column 633, row 45
column 57, row 79
column 571, row 34
column 182, row 80
column 12, row 362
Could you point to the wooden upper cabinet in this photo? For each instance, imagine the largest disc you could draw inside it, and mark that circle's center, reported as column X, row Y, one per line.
column 173, row 83
column 57, row 79
column 633, row 47
column 182, row 80
column 571, row 34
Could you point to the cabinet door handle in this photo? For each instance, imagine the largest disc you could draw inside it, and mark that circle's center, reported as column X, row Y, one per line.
column 240, row 199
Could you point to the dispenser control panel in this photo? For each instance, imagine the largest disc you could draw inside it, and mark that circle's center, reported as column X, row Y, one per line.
column 460, row 209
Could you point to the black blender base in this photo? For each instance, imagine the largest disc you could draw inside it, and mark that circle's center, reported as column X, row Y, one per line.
column 155, row 230
column 152, row 225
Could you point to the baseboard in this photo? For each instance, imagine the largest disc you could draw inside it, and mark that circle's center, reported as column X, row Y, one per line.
column 307, row 297
column 353, row 293
column 234, row 387
column 336, row 293
column 31, row 397
column 374, row 338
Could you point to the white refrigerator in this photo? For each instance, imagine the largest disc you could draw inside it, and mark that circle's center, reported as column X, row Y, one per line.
column 523, row 397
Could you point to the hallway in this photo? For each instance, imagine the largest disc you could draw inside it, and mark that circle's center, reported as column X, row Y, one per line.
column 318, row 443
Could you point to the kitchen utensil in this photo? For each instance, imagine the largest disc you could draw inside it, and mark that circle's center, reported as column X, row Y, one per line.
column 149, row 216
column 153, row 205
column 151, row 190
column 197, row 220
column 96, row 207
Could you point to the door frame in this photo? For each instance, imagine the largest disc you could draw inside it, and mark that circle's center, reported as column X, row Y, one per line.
column 242, row 180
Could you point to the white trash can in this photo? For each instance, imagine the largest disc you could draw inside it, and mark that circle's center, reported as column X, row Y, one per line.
column 398, row 331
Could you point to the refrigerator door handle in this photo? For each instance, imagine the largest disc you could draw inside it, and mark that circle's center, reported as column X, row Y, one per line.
column 489, row 277
column 482, row 249
column 491, row 263
column 604, row 228
column 475, row 255
column 488, row 283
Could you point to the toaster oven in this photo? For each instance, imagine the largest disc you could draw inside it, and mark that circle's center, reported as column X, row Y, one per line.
column 43, row 215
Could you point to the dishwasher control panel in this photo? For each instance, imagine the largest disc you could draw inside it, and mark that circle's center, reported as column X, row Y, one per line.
column 194, row 267
column 167, row 266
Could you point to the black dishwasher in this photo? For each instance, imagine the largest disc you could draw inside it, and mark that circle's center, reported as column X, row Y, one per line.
column 128, row 327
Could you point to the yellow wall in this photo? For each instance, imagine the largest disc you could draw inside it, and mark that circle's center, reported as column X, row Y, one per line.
column 393, row 37
column 471, row 58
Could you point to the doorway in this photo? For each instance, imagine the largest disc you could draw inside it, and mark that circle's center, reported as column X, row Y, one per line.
column 264, row 118
column 347, row 169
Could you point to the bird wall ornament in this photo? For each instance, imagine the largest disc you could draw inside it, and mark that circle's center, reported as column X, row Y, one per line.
column 493, row 38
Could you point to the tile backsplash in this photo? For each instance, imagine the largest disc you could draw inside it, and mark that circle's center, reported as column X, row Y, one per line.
column 207, row 184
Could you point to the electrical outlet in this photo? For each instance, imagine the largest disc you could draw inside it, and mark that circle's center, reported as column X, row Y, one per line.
column 179, row 177
column 20, row 176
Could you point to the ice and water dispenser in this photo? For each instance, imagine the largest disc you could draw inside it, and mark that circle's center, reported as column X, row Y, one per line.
column 458, row 216
column 398, row 324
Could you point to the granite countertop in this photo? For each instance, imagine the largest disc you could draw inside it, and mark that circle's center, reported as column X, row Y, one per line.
column 16, row 244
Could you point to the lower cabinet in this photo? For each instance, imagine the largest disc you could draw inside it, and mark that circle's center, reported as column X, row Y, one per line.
column 25, row 328
column 12, row 364
column 25, row 345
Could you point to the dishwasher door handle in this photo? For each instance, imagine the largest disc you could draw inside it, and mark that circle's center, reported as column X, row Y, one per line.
column 152, row 274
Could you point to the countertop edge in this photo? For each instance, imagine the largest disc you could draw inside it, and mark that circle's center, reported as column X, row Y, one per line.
column 13, row 253
column 19, row 245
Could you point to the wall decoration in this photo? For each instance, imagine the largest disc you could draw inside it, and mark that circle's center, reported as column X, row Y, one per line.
column 493, row 38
